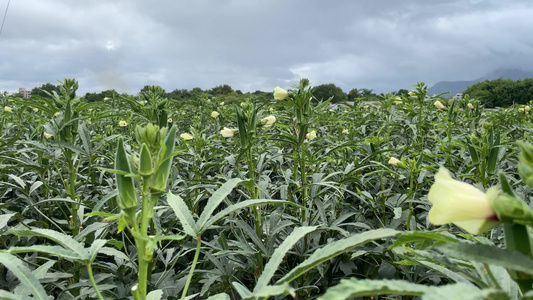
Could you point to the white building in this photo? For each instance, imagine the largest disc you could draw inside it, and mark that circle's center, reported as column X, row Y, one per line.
column 25, row 93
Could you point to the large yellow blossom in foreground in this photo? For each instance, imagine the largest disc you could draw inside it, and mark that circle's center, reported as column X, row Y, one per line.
column 461, row 204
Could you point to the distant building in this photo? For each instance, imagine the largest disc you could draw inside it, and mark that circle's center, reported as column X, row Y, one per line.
column 458, row 96
column 25, row 93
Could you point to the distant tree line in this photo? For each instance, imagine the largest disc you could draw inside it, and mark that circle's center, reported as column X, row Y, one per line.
column 502, row 92
column 226, row 93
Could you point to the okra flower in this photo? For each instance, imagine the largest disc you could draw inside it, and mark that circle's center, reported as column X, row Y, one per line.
column 227, row 132
column 345, row 131
column 461, row 204
column 439, row 105
column 311, row 135
column 169, row 120
column 215, row 114
column 47, row 135
column 56, row 114
column 221, row 104
column 8, row 109
column 470, row 105
column 412, row 93
column 186, row 136
column 394, row 161
column 35, row 109
column 268, row 121
column 280, row 94
column 122, row 123
column 527, row 108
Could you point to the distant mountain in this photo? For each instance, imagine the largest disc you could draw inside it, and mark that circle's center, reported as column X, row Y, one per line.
column 455, row 87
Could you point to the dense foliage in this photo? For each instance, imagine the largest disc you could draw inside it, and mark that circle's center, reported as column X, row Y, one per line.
column 268, row 198
column 502, row 92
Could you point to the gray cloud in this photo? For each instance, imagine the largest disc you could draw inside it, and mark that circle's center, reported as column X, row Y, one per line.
column 383, row 45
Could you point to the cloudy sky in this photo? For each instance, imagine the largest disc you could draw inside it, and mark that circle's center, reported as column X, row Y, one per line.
column 251, row 45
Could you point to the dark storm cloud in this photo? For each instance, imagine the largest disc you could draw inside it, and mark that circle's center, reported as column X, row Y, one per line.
column 257, row 45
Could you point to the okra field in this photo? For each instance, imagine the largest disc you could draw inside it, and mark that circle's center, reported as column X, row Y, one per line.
column 143, row 197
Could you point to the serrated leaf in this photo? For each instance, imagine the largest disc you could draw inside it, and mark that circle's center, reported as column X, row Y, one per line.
column 181, row 210
column 214, row 201
column 334, row 249
column 154, row 295
column 221, row 296
column 349, row 288
column 4, row 219
column 461, row 291
column 64, row 240
column 236, row 207
column 114, row 252
column 279, row 254
column 49, row 249
column 15, row 265
column 489, row 254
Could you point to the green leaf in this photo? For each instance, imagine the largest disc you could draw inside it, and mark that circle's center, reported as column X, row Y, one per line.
column 10, row 296
column 52, row 250
column 236, row 207
column 489, row 254
column 154, row 295
column 127, row 196
column 350, row 288
column 114, row 252
column 64, row 240
column 242, row 290
column 15, row 265
column 95, row 248
column 416, row 236
column 279, row 254
column 4, row 219
column 461, row 291
column 221, row 296
column 336, row 248
column 273, row 290
column 214, row 201
column 182, row 212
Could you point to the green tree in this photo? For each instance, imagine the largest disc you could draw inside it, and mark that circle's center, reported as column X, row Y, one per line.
column 502, row 92
column 221, row 90
column 353, row 95
column 326, row 91
column 48, row 87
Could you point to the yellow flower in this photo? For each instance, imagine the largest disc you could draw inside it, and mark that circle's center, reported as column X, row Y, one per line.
column 461, row 204
column 331, row 110
column 122, row 123
column 470, row 105
column 221, row 103
column 439, row 105
column 8, row 109
column 186, row 136
column 527, row 108
column 47, row 135
column 56, row 114
column 143, row 102
column 411, row 93
column 365, row 106
column 169, row 120
column 182, row 113
column 215, row 114
column 35, row 109
column 227, row 132
column 90, row 110
column 268, row 121
column 345, row 131
column 394, row 161
column 398, row 102
column 280, row 94
column 106, row 98
column 521, row 109
column 311, row 135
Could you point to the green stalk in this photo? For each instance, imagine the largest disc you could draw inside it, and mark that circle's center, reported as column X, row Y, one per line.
column 517, row 239
column 91, row 277
column 193, row 267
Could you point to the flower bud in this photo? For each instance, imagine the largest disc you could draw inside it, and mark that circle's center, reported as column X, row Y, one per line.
column 471, row 106
column 511, row 209
column 215, row 114
column 412, row 93
column 439, row 105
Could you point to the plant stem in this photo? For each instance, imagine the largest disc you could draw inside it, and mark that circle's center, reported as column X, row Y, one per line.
column 91, row 277
column 196, row 255
column 517, row 239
